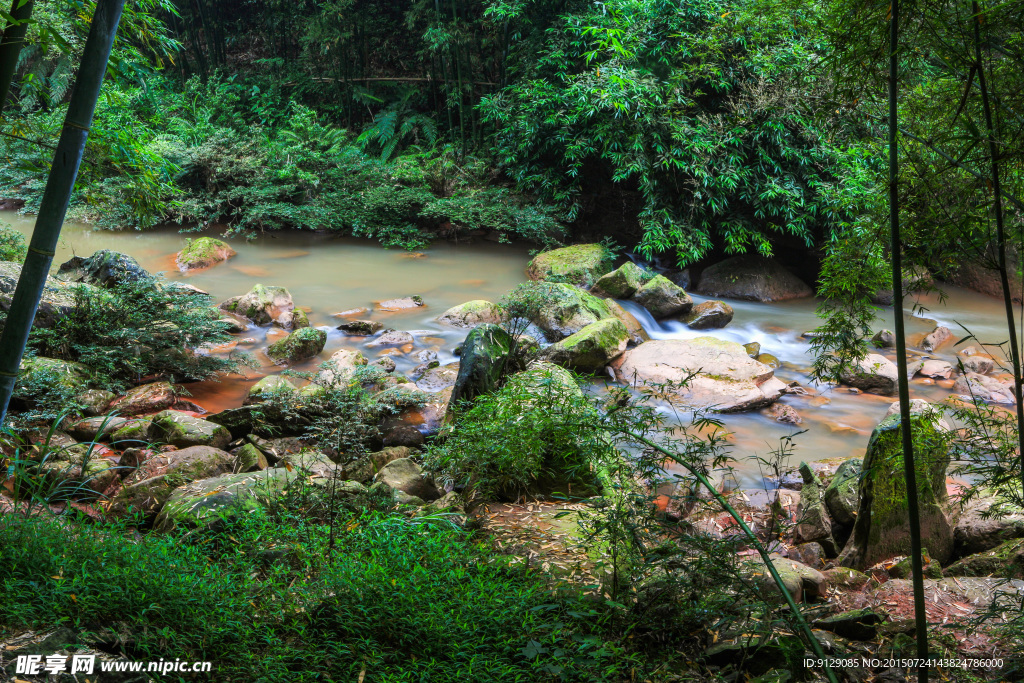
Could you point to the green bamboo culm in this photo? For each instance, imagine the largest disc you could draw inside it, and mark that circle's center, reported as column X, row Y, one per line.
column 913, row 514
column 57, row 194
column 997, row 193
column 11, row 44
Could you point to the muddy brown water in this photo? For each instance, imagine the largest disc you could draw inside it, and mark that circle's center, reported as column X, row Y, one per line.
column 327, row 275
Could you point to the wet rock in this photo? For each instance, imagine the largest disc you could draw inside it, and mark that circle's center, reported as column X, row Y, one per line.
column 133, row 430
column 391, row 338
column 438, row 378
column 621, row 283
column 299, row 345
column 341, row 366
column 769, row 360
column 590, row 349
column 981, row 365
column 148, row 398
column 95, row 401
column 581, row 264
column 709, row 315
column 425, row 355
column 973, row 386
column 1005, row 560
column 919, row 406
column 881, row 530
column 936, row 338
column 884, row 339
column 859, row 624
column 473, row 313
column 421, row 369
column 938, row 369
column 182, row 430
column 104, row 268
column 386, row 362
column 485, row 354
column 271, row 384
column 683, row 278
column 232, row 324
column 842, row 495
column 203, row 252
column 875, row 374
column 637, row 333
column 78, row 472
column 977, row 275
column 753, row 278
column 813, row 523
column 96, row 428
column 264, row 305
column 728, row 379
column 406, row 476
column 663, row 298
column 783, row 413
column 752, row 349
column 362, row 328
column 299, row 319
column 405, row 303
column 150, row 486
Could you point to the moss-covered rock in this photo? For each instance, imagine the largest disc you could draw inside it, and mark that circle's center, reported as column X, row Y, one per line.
column 54, row 372
column 132, row 431
column 299, row 319
column 622, row 282
column 803, row 583
column 148, row 398
column 473, row 313
column 858, row 624
column 904, row 569
column 104, row 268
column 203, row 252
column 264, row 305
column 812, row 520
column 881, row 530
column 150, row 486
column 874, row 374
column 268, row 385
column 95, row 401
column 183, row 430
column 581, row 264
column 339, row 367
column 57, row 301
column 663, row 298
column 1005, row 560
column 563, row 309
column 248, row 458
column 362, row 328
column 211, row 502
column 590, row 349
column 842, row 493
column 485, row 354
column 299, row 345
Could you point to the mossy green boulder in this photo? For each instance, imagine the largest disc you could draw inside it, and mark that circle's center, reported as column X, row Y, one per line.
column 622, row 282
column 709, row 315
column 882, row 530
column 150, row 486
column 561, row 310
column 590, row 349
column 264, row 305
column 183, row 430
column 663, row 298
column 299, row 345
column 203, row 252
column 53, row 372
column 212, row 502
column 842, row 493
column 1005, row 560
column 485, row 355
column 271, row 384
column 581, row 264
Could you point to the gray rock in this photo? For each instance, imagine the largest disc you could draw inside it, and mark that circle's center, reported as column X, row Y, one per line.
column 363, row 328
column 663, row 298
column 104, row 268
column 983, row 388
column 752, row 277
column 182, row 430
column 813, row 523
column 859, row 624
column 842, row 493
column 391, row 338
column 264, row 305
column 936, row 338
column 485, row 354
column 473, row 313
column 874, row 374
column 406, row 476
column 268, row 385
column 977, row 530
column 884, row 339
column 709, row 315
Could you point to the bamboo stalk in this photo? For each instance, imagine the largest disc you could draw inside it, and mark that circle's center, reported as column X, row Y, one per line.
column 11, row 44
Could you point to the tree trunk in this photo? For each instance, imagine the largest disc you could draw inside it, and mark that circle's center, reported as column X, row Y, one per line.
column 61, row 181
column 10, row 46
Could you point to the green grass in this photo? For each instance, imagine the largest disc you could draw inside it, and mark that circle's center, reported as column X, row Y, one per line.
column 404, row 600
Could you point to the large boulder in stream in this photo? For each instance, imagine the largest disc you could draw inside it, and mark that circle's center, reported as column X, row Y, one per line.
column 203, row 252
column 590, row 349
column 581, row 264
column 663, row 298
column 150, row 486
column 708, row 315
column 727, row 379
column 973, row 386
column 563, row 310
column 752, row 277
column 299, row 345
column 104, row 268
column 881, row 530
column 485, row 354
column 264, row 305
column 58, row 299
column 148, row 398
column 874, row 374
column 622, row 282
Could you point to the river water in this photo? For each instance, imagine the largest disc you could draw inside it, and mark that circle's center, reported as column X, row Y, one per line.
column 327, row 275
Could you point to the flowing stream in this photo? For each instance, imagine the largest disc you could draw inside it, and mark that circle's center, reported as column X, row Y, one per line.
column 327, row 275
